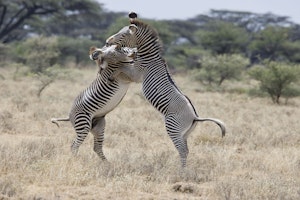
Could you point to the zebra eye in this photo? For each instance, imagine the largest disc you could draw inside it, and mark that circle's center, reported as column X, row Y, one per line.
column 107, row 44
column 118, row 47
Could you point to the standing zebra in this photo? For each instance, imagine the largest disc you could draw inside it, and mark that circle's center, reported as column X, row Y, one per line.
column 158, row 87
column 102, row 96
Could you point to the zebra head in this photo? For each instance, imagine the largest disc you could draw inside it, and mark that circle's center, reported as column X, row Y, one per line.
column 126, row 37
column 112, row 55
column 138, row 34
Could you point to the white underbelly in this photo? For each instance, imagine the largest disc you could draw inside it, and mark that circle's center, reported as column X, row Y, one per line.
column 113, row 101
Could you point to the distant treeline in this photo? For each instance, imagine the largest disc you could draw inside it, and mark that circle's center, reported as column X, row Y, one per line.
column 255, row 36
column 219, row 46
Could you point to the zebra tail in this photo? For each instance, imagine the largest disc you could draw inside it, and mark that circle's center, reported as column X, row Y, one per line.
column 56, row 120
column 218, row 122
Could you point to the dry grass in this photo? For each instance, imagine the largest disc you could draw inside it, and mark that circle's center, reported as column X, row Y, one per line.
column 258, row 159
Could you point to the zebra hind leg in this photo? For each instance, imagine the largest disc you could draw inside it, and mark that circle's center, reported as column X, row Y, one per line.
column 183, row 152
column 78, row 141
column 98, row 127
column 178, row 140
column 81, row 133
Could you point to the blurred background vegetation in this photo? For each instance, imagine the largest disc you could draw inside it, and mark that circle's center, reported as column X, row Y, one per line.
column 48, row 37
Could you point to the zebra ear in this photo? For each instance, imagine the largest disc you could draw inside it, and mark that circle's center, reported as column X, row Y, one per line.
column 133, row 28
column 94, row 53
column 132, row 15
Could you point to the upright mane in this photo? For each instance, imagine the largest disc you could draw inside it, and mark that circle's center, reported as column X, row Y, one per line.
column 150, row 31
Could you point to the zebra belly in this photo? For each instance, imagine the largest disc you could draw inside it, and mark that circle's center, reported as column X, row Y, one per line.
column 112, row 102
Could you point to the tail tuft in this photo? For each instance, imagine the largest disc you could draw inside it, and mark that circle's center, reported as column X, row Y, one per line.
column 217, row 121
column 56, row 120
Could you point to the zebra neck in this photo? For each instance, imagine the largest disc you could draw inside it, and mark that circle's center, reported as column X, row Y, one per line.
column 149, row 49
column 148, row 59
column 146, row 36
column 104, row 74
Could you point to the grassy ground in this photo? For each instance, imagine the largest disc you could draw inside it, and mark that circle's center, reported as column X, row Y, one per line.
column 259, row 158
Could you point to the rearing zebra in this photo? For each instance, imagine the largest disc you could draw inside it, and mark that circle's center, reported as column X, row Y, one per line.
column 102, row 96
column 158, row 87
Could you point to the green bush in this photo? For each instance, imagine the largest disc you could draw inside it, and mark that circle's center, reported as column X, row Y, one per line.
column 38, row 53
column 223, row 38
column 277, row 79
column 75, row 50
column 270, row 43
column 4, row 53
column 217, row 69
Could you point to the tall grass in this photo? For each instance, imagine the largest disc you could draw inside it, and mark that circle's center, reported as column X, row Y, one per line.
column 259, row 158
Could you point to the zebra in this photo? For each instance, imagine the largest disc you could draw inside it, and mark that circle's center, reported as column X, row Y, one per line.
column 158, row 87
column 102, row 96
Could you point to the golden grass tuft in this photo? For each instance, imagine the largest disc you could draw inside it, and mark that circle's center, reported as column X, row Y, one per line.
column 259, row 158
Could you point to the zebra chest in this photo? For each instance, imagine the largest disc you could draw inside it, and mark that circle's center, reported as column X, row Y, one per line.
column 158, row 93
column 101, row 102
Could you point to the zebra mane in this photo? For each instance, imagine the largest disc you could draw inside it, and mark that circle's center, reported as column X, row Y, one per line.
column 152, row 32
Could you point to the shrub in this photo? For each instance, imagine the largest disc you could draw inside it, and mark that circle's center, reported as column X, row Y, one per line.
column 4, row 53
column 277, row 79
column 270, row 43
column 223, row 38
column 76, row 50
column 39, row 53
column 219, row 68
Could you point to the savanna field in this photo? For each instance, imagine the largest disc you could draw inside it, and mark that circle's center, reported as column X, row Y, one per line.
column 259, row 158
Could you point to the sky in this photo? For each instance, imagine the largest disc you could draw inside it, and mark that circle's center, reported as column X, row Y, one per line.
column 184, row 9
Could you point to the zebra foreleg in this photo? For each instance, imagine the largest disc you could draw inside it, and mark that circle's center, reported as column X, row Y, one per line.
column 98, row 127
column 133, row 74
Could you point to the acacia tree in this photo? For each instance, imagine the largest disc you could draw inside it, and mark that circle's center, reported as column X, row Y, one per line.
column 15, row 13
column 269, row 44
column 252, row 22
column 18, row 17
column 223, row 38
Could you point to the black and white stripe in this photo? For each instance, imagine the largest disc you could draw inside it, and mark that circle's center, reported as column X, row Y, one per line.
column 158, row 87
column 92, row 104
